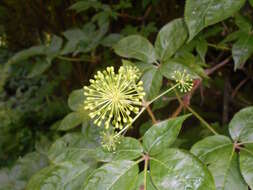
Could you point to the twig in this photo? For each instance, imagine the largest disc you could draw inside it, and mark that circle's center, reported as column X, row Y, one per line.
column 151, row 114
column 141, row 18
column 226, row 98
column 216, row 67
column 178, row 110
column 146, row 159
column 224, row 48
column 73, row 59
column 238, row 87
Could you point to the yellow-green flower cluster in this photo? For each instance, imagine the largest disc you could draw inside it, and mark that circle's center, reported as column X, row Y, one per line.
column 184, row 81
column 113, row 97
column 110, row 140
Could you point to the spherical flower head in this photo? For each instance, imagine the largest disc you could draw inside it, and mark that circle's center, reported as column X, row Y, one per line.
column 184, row 81
column 113, row 98
column 110, row 140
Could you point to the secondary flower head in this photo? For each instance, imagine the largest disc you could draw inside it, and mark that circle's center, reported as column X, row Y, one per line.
column 114, row 97
column 110, row 140
column 184, row 81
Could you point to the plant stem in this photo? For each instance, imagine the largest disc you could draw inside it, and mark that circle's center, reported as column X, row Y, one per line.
column 238, row 87
column 145, row 173
column 162, row 94
column 246, row 142
column 69, row 59
column 219, row 47
column 201, row 120
column 151, row 114
column 196, row 115
column 127, row 126
column 72, row 59
column 216, row 67
column 140, row 160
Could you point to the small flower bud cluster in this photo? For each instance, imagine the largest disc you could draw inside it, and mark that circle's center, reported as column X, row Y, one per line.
column 184, row 81
column 113, row 98
column 109, row 140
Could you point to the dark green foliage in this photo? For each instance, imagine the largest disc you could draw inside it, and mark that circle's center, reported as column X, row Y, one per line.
column 197, row 140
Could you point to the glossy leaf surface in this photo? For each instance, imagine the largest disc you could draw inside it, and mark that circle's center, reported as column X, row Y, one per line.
column 218, row 153
column 64, row 176
column 177, row 169
column 136, row 47
column 241, row 125
column 163, row 134
column 152, row 82
column 118, row 175
column 202, row 13
column 246, row 165
column 167, row 41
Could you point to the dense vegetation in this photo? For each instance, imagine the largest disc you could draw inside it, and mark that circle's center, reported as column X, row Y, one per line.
column 185, row 121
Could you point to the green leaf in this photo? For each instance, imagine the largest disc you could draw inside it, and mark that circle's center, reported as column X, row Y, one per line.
column 136, row 47
column 251, row 2
column 178, row 169
column 231, row 37
column 218, row 153
column 73, row 147
column 79, row 148
column 144, row 127
column 39, row 67
column 90, row 130
column 162, row 135
column 27, row 166
column 246, row 165
column 140, row 182
column 152, row 82
column 210, row 144
column 202, row 48
column 17, row 177
column 93, row 38
column 128, row 149
column 85, row 39
column 74, row 36
column 54, row 47
column 72, row 120
column 168, row 40
column 27, row 53
column 117, row 175
column 63, row 176
column 8, row 183
column 102, row 17
column 241, row 125
column 76, row 100
column 111, row 39
column 81, row 6
column 243, row 23
column 242, row 50
column 202, row 13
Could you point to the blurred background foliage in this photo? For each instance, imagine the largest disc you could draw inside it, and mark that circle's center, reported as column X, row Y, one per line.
column 50, row 48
